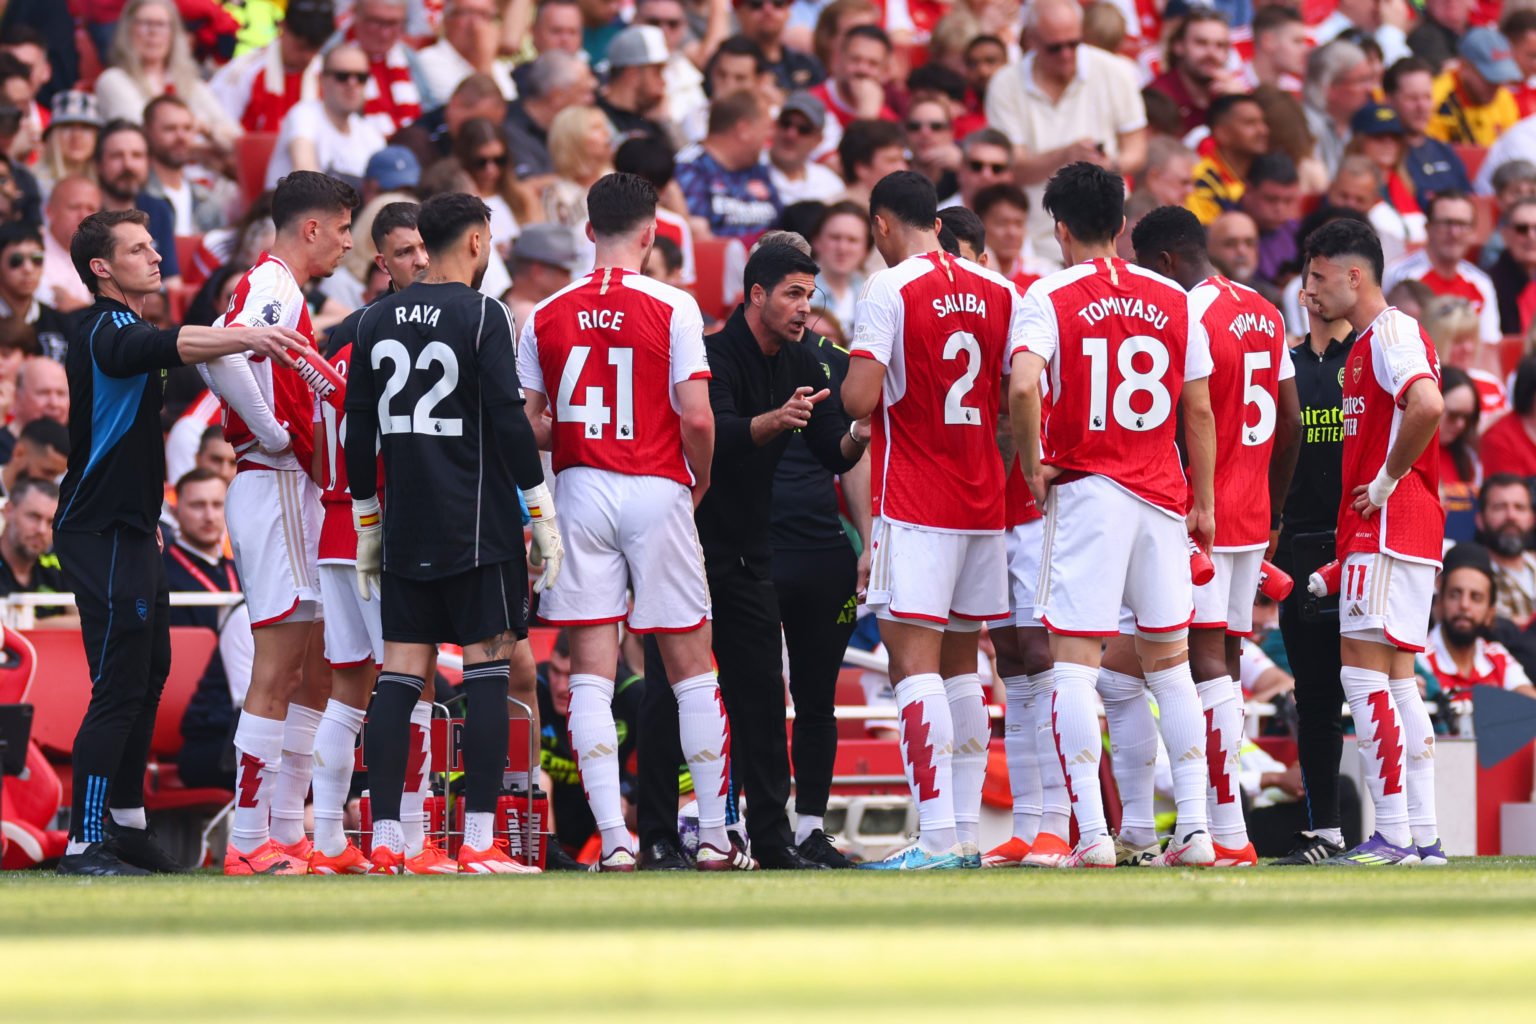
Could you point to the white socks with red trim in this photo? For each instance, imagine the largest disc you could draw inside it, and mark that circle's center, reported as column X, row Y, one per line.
column 259, row 746
column 1132, row 752
column 418, row 780
column 335, row 752
column 595, row 741
column 927, row 753
column 1379, row 738
column 1419, row 750
column 704, row 734
column 1223, row 748
column 968, row 764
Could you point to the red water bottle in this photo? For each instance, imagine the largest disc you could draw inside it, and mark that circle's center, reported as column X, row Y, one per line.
column 515, row 812
column 1201, row 571
column 365, row 813
column 322, row 378
column 1325, row 581
column 1274, row 583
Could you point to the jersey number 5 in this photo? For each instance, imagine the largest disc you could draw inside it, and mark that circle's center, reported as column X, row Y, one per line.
column 1132, row 382
column 421, row 420
column 594, row 413
column 1255, row 394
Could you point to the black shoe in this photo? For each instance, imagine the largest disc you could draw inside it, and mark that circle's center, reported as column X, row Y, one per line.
column 137, row 846
column 559, row 860
column 97, row 859
column 1310, row 849
column 818, row 848
column 664, row 857
column 785, row 858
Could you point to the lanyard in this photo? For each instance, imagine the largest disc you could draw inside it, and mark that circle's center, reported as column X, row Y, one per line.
column 197, row 573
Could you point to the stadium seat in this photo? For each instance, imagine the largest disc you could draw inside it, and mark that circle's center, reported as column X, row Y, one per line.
column 541, row 641
column 18, row 667
column 253, row 151
column 1511, row 351
column 62, row 690
column 1471, row 157
column 1486, row 221
column 27, row 807
column 192, row 647
column 719, row 263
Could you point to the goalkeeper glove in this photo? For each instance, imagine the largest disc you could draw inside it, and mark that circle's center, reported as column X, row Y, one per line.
column 369, row 524
column 547, row 548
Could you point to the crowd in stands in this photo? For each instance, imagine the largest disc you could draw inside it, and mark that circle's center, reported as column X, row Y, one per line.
column 1265, row 119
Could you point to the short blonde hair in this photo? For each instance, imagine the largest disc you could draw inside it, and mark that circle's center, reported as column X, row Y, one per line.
column 567, row 142
column 1447, row 318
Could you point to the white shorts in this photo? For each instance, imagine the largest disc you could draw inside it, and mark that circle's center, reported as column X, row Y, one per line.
column 625, row 533
column 941, row 580
column 274, row 527
column 1024, row 542
column 354, row 634
column 1105, row 548
column 1386, row 600
column 1227, row 601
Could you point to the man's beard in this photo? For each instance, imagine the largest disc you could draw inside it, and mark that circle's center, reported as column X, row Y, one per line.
column 1459, row 637
column 1507, row 542
column 170, row 158
column 115, row 188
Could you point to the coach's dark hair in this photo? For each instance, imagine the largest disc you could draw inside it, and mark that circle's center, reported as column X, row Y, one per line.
column 27, row 484
column 647, row 156
column 445, row 218
column 862, row 140
column 15, row 232
column 301, row 192
column 1342, row 238
column 1089, row 200
column 618, row 203
column 907, row 196
column 196, row 475
column 1168, row 229
column 772, row 263
column 393, row 217
column 1276, row 167
column 116, row 126
column 45, row 433
column 1000, row 193
column 94, row 240
column 965, row 226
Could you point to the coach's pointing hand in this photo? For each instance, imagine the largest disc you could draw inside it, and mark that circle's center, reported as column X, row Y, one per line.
column 278, row 343
column 796, row 412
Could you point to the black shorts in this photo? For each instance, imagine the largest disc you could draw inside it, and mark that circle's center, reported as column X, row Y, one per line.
column 462, row 609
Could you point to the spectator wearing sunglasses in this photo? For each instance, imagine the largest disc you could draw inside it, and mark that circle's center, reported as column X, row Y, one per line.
column 986, row 159
column 21, row 272
column 1062, row 103
column 330, row 134
column 931, row 138
column 1514, row 275
column 763, row 22
column 796, row 135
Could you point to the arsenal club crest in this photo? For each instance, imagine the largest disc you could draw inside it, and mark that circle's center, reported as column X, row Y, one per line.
column 1359, row 368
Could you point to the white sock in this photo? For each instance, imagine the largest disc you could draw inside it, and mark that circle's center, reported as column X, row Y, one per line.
column 705, row 736
column 1023, row 757
column 1055, row 806
column 1379, row 738
column 927, row 752
column 129, row 817
column 386, row 835
column 968, row 764
column 259, row 742
column 418, row 780
column 73, row 847
column 335, row 746
column 479, row 830
column 1075, row 725
column 1223, row 746
column 805, row 824
column 293, row 781
column 595, row 742
column 1333, row 835
column 1132, row 752
column 1182, row 725
column 1419, row 747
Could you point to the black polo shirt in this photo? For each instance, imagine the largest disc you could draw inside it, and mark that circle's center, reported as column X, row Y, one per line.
column 1312, row 505
column 116, row 368
column 806, row 516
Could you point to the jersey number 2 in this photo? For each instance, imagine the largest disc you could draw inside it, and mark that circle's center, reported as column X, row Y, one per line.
column 962, row 343
column 421, row 420
column 594, row 413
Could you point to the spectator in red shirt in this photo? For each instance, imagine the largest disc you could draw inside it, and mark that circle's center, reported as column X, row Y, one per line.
column 1460, row 650
column 1520, row 29
column 1197, row 65
column 1509, row 446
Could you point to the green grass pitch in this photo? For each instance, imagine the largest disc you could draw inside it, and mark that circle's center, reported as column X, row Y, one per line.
column 1265, row 944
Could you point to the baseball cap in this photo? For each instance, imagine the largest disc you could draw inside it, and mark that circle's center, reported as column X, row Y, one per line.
column 1376, row 119
column 637, row 47
column 74, row 107
column 394, row 167
column 807, row 105
column 546, row 243
column 1487, row 50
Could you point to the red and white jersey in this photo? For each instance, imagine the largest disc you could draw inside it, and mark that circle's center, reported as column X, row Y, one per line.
column 1388, row 357
column 1492, row 398
column 675, row 226
column 1120, row 345
column 1019, row 502
column 338, row 538
column 1492, row 665
column 1248, row 362
column 1467, row 281
column 940, row 327
column 617, row 343
column 269, row 296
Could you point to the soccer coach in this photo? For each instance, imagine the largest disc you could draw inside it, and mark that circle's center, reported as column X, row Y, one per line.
column 106, row 534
